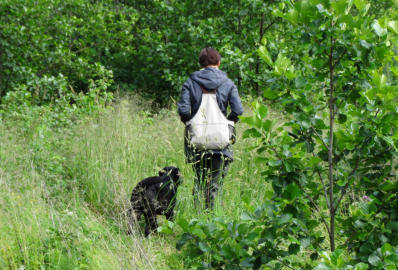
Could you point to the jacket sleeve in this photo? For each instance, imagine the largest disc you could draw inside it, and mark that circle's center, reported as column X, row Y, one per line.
column 236, row 105
column 184, row 105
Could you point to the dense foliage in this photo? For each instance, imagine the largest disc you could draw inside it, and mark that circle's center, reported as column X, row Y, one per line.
column 43, row 40
column 328, row 184
column 170, row 35
column 335, row 77
column 150, row 46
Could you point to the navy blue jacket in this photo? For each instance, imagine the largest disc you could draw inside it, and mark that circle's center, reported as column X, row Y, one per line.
column 227, row 94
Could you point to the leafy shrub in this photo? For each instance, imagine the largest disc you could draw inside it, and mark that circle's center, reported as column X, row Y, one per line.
column 269, row 236
column 385, row 257
column 48, row 101
column 335, row 79
column 39, row 40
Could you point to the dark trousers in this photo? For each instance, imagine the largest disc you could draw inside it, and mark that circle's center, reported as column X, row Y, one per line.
column 209, row 170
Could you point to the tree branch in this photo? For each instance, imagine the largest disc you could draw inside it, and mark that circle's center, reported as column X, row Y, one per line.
column 285, row 264
column 276, row 152
column 269, row 26
column 324, row 186
column 338, row 59
column 343, row 192
column 317, row 208
column 330, row 150
column 319, row 137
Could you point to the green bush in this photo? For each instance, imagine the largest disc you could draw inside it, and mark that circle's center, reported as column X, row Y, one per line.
column 45, row 42
column 49, row 102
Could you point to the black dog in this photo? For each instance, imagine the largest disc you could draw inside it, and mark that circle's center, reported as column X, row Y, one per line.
column 153, row 196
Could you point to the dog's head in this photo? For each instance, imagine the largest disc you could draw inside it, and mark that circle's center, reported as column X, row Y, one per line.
column 173, row 172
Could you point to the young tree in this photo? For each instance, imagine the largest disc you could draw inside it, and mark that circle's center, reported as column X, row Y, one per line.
column 336, row 79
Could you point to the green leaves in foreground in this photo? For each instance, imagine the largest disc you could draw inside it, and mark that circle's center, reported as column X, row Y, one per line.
column 336, row 79
column 258, row 239
column 385, row 257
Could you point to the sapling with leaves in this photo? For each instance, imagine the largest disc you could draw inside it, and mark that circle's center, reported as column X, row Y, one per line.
column 336, row 78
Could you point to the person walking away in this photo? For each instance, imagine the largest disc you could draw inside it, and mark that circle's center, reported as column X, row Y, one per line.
column 210, row 165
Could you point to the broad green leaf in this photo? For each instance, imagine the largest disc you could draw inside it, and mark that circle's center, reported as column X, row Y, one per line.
column 340, row 6
column 361, row 266
column 253, row 121
column 264, row 54
column 342, row 182
column 341, row 118
column 278, row 13
column 322, row 266
column 227, row 251
column 232, row 267
column 386, row 249
column 393, row 258
column 390, row 141
column 390, row 186
column 337, row 257
column 263, row 110
column 264, row 40
column 290, row 73
column 374, row 260
column 248, row 262
column 379, row 80
column 165, row 229
column 361, row 5
column 267, row 125
column 393, row 25
column 204, row 247
column 322, row 9
column 288, row 166
column 292, row 15
column 285, row 218
column 270, row 94
column 293, row 249
column 378, row 29
column 275, row 163
column 325, row 255
column 183, row 223
column 245, row 216
column 393, row 225
column 260, row 160
column 198, row 232
column 282, row 65
column 305, row 242
column 251, row 133
column 314, row 161
column 185, row 237
column 365, row 44
column 292, row 191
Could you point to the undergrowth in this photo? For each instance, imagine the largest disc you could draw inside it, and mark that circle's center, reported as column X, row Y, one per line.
column 64, row 195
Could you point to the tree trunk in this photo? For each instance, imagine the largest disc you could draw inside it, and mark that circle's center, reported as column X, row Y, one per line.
column 261, row 32
column 330, row 150
column 239, row 35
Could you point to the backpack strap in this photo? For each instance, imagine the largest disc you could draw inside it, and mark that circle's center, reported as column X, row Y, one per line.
column 205, row 91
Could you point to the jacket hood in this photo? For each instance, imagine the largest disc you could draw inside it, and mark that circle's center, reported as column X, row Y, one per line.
column 209, row 78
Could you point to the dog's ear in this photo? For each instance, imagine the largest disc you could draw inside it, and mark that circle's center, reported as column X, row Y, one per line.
column 165, row 171
column 162, row 172
column 173, row 172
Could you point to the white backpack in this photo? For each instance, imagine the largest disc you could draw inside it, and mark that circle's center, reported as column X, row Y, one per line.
column 209, row 128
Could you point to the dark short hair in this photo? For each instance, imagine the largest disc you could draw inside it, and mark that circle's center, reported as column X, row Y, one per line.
column 209, row 56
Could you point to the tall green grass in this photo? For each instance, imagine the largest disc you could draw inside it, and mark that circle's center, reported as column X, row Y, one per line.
column 64, row 196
